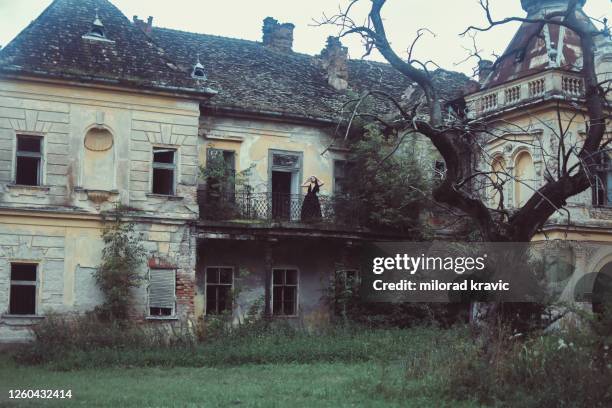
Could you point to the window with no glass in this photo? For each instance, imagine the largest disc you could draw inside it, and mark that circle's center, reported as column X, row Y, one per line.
column 284, row 292
column 164, row 169
column 28, row 160
column 23, row 289
column 342, row 170
column 219, row 281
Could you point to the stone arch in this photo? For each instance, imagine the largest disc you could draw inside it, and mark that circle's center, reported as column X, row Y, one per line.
column 602, row 288
column 524, row 175
column 98, row 159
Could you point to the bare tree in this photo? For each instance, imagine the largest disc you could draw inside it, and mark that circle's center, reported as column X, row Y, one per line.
column 458, row 140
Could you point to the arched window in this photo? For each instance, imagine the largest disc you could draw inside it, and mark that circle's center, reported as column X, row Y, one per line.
column 98, row 160
column 602, row 189
column 498, row 167
column 524, row 174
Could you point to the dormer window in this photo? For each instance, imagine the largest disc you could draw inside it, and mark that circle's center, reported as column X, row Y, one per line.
column 198, row 71
column 96, row 32
column 519, row 56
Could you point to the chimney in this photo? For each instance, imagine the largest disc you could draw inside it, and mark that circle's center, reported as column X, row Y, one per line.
column 277, row 36
column 145, row 27
column 537, row 7
column 334, row 60
column 485, row 67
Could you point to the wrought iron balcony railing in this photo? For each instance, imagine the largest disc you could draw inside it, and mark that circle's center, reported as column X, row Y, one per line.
column 266, row 206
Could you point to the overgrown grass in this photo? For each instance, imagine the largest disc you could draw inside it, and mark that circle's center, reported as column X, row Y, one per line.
column 65, row 345
column 564, row 369
column 256, row 366
column 433, row 364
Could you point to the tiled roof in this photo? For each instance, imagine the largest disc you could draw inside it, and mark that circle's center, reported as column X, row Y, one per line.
column 248, row 76
column 254, row 78
column 534, row 48
column 52, row 46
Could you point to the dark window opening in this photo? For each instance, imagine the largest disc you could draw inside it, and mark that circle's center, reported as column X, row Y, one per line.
column 28, row 160
column 440, row 168
column 602, row 188
column 23, row 289
column 284, row 292
column 519, row 56
column 342, row 170
column 160, row 311
column 97, row 32
column 221, row 180
column 219, row 282
column 347, row 278
column 164, row 166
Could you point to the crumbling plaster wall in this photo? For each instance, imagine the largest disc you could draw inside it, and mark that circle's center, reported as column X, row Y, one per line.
column 68, row 251
column 541, row 142
column 63, row 115
column 315, row 261
column 58, row 224
column 251, row 140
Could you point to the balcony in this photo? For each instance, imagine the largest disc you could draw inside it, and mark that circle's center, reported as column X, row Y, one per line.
column 560, row 84
column 280, row 208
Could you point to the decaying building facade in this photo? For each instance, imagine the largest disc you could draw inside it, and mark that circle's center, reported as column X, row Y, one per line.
column 98, row 111
column 532, row 101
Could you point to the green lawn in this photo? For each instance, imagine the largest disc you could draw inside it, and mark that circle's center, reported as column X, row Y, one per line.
column 368, row 384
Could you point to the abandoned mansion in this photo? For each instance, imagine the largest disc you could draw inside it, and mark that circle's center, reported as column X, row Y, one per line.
column 217, row 148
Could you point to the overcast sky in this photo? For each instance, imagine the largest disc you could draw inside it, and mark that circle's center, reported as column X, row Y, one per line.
column 243, row 19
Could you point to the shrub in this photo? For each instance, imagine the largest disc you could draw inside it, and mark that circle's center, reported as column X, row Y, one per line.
column 118, row 273
column 86, row 342
column 58, row 336
column 544, row 371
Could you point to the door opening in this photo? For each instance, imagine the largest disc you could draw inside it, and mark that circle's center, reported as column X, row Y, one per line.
column 281, row 194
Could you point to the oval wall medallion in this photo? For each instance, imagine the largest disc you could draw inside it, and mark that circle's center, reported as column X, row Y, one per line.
column 98, row 140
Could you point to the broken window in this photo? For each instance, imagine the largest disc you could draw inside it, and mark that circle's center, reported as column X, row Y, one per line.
column 28, row 160
column 284, row 292
column 219, row 281
column 162, row 292
column 221, row 169
column 341, row 172
column 347, row 279
column 602, row 187
column 164, row 166
column 23, row 289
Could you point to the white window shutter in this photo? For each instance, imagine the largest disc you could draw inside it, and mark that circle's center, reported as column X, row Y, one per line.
column 162, row 288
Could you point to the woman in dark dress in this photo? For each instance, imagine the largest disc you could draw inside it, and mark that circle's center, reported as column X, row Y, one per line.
column 311, row 208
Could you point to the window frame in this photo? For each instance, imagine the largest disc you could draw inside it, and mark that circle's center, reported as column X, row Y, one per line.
column 297, row 291
column 34, row 283
column 172, row 314
column 219, row 284
column 40, row 156
column 174, row 166
column 602, row 175
column 336, row 164
column 343, row 271
column 227, row 190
